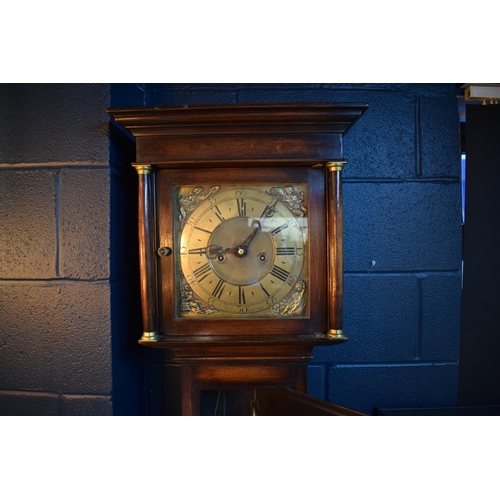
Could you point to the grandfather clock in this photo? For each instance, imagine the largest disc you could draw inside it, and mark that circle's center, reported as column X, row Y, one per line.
column 240, row 239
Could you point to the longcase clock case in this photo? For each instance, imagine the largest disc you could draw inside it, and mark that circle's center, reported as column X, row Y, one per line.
column 240, row 239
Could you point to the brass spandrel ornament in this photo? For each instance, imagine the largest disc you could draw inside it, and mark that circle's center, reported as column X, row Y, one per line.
column 294, row 304
column 189, row 202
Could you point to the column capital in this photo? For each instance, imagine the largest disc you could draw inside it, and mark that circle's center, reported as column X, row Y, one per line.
column 334, row 166
column 143, row 169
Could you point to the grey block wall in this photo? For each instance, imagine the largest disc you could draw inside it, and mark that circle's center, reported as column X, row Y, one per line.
column 56, row 281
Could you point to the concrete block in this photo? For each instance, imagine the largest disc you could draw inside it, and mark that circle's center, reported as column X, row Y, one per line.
column 380, row 144
column 158, row 94
column 54, row 123
column 126, row 316
column 440, row 318
column 365, row 387
column 55, row 338
column 402, row 121
column 78, row 405
column 126, row 94
column 316, row 380
column 124, row 246
column 402, row 226
column 160, row 97
column 122, row 153
column 27, row 224
column 16, row 404
column 128, row 355
column 84, row 214
column 449, row 90
column 440, row 145
column 380, row 321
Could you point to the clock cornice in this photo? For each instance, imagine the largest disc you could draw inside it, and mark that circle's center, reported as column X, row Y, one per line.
column 253, row 132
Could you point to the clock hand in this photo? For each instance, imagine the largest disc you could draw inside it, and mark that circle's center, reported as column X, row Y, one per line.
column 214, row 251
column 241, row 250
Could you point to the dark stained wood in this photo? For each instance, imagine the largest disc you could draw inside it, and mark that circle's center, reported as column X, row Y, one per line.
column 289, row 402
column 244, row 163
column 269, row 143
column 282, row 402
column 241, row 347
column 244, row 147
column 301, row 404
column 313, row 118
column 198, row 376
column 190, row 390
column 317, row 322
column 242, row 374
column 147, row 260
column 239, row 132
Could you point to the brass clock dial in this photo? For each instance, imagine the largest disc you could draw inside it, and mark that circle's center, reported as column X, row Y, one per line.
column 242, row 251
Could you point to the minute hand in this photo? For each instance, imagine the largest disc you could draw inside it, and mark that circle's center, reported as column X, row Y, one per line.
column 241, row 249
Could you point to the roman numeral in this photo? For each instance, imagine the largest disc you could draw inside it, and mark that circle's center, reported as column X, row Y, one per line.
column 204, row 230
column 219, row 288
column 279, row 273
column 285, row 251
column 269, row 210
column 218, row 213
column 198, row 251
column 264, row 290
column 274, row 232
column 242, row 207
column 241, row 295
column 202, row 272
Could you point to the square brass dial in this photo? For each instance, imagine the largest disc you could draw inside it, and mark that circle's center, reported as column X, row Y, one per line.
column 241, row 250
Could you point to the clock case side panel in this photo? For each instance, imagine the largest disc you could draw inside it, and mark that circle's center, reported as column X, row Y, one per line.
column 269, row 173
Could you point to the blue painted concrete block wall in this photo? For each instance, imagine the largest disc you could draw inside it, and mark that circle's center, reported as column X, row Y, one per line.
column 402, row 222
column 68, row 303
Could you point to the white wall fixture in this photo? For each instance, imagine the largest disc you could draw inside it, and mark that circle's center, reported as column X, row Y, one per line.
column 486, row 93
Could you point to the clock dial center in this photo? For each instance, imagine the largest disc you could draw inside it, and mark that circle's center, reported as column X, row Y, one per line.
column 244, row 249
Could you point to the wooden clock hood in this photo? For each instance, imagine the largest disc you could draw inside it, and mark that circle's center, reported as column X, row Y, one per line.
column 194, row 134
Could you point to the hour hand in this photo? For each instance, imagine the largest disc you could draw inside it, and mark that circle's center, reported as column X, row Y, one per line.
column 213, row 251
